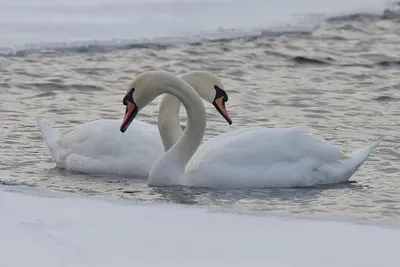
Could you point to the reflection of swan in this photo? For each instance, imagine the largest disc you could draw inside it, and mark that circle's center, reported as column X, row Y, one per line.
column 250, row 158
column 98, row 147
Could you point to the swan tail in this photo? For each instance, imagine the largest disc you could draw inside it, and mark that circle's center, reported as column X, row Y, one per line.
column 342, row 169
column 363, row 154
column 51, row 136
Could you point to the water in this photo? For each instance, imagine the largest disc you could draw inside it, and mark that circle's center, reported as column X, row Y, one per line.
column 339, row 75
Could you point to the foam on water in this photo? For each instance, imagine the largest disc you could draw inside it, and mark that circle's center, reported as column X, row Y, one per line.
column 50, row 24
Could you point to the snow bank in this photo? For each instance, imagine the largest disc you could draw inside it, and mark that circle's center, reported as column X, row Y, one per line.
column 39, row 230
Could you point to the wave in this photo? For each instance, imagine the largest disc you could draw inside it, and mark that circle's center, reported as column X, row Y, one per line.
column 313, row 61
column 125, row 44
column 388, row 63
column 385, row 98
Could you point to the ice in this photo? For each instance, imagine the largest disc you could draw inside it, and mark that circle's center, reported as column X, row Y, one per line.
column 39, row 229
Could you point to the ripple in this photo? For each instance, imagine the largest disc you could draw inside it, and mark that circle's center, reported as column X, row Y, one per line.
column 5, row 85
column 45, row 94
column 385, row 98
column 46, row 86
column 318, row 111
column 275, row 53
column 391, row 170
column 310, row 61
column 93, row 71
column 389, row 63
column 85, row 87
column 32, row 75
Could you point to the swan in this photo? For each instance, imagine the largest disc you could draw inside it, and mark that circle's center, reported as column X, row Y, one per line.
column 97, row 147
column 255, row 157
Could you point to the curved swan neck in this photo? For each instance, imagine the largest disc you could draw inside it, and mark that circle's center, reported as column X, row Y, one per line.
column 168, row 121
column 170, row 168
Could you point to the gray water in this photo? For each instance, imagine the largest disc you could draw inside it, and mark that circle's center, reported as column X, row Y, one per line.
column 343, row 79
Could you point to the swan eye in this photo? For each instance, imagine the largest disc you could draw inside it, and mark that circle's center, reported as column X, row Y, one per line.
column 128, row 97
column 220, row 93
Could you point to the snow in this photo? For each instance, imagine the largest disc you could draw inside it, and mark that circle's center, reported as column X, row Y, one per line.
column 45, row 22
column 39, row 229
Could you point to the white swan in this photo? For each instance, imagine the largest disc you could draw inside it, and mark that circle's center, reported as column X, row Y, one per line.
column 249, row 158
column 98, row 147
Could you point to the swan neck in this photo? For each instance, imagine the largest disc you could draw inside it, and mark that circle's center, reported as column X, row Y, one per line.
column 170, row 168
column 168, row 121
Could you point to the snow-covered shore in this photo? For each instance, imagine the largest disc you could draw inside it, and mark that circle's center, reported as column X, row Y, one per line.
column 39, row 229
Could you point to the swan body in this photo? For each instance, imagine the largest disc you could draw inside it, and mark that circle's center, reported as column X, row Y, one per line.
column 98, row 147
column 272, row 157
column 254, row 157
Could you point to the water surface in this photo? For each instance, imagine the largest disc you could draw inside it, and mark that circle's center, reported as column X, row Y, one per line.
column 341, row 78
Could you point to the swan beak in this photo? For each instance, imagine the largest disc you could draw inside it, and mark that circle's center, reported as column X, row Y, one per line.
column 220, row 106
column 130, row 114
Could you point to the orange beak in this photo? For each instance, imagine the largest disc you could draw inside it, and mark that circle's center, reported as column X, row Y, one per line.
column 130, row 113
column 220, row 105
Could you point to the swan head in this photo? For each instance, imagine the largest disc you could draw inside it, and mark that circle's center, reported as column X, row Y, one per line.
column 210, row 88
column 145, row 87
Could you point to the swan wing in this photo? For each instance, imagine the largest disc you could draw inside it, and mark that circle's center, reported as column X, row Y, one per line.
column 259, row 145
column 218, row 141
column 263, row 157
column 99, row 147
